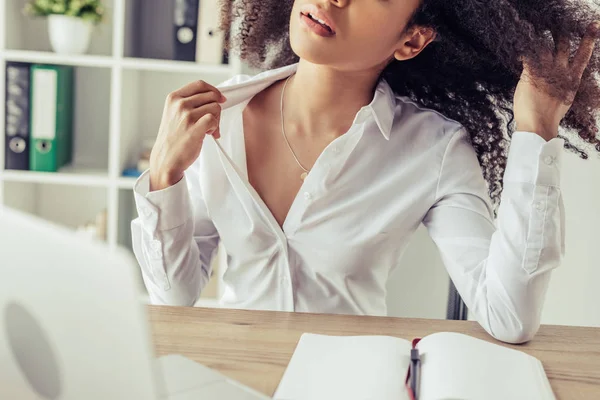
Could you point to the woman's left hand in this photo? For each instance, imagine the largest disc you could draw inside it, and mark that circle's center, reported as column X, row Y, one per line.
column 534, row 108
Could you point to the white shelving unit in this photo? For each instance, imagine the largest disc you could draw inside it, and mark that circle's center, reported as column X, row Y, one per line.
column 119, row 99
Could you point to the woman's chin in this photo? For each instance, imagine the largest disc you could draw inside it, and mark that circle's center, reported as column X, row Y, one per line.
column 312, row 52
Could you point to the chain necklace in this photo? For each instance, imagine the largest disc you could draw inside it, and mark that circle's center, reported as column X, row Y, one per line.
column 306, row 171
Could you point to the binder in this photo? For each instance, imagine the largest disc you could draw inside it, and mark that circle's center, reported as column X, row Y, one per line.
column 186, row 26
column 210, row 39
column 16, row 124
column 51, row 117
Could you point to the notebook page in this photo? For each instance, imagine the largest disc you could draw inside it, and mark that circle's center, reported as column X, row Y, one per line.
column 346, row 367
column 457, row 366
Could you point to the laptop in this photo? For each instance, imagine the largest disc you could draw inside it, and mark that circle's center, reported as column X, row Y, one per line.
column 72, row 325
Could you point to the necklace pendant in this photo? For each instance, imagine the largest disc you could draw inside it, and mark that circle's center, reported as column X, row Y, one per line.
column 303, row 176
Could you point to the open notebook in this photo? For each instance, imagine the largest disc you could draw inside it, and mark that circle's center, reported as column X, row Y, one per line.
column 453, row 366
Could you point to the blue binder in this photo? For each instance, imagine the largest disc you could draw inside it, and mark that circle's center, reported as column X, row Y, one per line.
column 17, row 109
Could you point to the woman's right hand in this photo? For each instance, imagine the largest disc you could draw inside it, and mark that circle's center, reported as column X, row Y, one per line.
column 190, row 114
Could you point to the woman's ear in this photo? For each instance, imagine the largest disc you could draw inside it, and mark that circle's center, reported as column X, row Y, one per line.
column 413, row 41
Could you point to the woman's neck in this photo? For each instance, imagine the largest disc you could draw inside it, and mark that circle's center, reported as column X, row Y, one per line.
column 320, row 100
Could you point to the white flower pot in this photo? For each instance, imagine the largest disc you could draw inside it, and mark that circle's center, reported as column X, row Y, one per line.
column 69, row 35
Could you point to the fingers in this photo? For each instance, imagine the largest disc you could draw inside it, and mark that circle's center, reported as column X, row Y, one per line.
column 194, row 88
column 205, row 120
column 208, row 124
column 199, row 100
column 586, row 49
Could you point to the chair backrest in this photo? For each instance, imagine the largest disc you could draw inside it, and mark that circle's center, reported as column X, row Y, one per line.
column 457, row 309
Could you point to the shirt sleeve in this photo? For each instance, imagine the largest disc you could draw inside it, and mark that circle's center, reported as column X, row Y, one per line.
column 173, row 239
column 501, row 268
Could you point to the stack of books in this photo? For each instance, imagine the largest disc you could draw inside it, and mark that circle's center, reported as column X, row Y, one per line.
column 39, row 116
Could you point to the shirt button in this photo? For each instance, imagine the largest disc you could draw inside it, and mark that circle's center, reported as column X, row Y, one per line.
column 539, row 206
column 159, row 273
column 156, row 248
column 336, row 150
column 307, row 196
column 165, row 283
column 549, row 160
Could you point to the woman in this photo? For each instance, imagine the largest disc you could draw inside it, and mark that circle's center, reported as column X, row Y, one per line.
column 377, row 115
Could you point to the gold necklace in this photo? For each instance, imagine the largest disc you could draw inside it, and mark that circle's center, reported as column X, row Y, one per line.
column 306, row 171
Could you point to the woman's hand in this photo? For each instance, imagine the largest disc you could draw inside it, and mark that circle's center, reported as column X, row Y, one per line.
column 534, row 108
column 190, row 114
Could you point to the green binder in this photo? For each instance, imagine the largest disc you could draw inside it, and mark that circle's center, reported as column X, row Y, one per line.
column 51, row 117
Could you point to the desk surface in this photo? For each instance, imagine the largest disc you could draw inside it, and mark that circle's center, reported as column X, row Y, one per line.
column 254, row 347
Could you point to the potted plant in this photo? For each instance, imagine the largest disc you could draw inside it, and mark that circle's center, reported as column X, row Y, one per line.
column 70, row 22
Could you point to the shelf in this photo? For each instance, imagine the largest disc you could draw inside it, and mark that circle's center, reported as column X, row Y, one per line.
column 126, row 182
column 66, row 176
column 47, row 57
column 66, row 205
column 139, row 64
column 147, row 64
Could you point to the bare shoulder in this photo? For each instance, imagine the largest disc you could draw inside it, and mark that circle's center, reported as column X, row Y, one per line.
column 261, row 114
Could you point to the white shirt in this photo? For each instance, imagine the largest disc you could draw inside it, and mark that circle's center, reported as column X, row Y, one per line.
column 398, row 166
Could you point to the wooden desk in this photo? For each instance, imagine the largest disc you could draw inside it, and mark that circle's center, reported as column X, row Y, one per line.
column 254, row 347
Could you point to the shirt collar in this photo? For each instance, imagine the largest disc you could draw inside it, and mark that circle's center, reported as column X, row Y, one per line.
column 243, row 87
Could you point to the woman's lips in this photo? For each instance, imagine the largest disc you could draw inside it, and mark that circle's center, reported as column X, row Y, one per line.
column 315, row 26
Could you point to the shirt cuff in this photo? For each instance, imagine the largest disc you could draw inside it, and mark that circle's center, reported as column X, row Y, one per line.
column 532, row 159
column 161, row 209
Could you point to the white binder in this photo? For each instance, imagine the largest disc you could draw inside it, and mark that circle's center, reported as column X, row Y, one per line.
column 210, row 40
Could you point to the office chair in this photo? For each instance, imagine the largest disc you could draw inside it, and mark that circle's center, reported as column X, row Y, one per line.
column 457, row 309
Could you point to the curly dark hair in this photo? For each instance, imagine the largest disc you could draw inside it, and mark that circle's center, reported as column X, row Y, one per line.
column 469, row 73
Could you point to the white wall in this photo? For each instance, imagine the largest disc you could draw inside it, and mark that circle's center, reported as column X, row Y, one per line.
column 574, row 294
column 418, row 288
